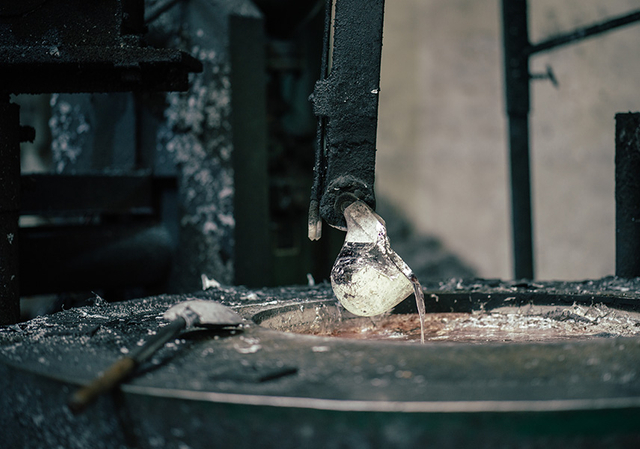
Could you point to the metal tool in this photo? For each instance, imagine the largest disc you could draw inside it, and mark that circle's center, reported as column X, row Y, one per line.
column 200, row 313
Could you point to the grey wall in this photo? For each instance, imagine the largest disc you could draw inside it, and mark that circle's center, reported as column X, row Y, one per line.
column 442, row 156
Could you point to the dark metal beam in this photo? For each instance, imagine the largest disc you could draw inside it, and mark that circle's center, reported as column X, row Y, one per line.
column 583, row 33
column 346, row 102
column 517, row 98
column 111, row 194
column 628, row 195
column 75, row 69
column 52, row 39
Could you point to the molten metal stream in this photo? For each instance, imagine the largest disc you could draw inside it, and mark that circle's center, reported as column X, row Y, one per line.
column 419, row 294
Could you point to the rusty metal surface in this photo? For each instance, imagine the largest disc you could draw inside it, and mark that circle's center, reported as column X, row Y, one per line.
column 288, row 390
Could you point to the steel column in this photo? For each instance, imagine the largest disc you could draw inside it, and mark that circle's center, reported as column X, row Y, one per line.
column 628, row 195
column 517, row 90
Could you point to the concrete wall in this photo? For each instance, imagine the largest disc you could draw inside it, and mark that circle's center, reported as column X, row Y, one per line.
column 442, row 156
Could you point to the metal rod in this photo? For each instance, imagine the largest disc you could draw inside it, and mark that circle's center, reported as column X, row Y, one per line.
column 315, row 221
column 583, row 33
column 628, row 195
column 517, row 99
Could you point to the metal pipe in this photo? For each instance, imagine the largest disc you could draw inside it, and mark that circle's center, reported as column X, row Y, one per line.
column 628, row 195
column 583, row 33
column 9, row 205
column 517, row 99
column 523, row 256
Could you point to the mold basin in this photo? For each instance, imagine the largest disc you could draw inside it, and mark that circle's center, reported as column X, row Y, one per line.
column 490, row 374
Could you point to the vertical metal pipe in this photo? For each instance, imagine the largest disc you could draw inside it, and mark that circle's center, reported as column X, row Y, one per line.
column 521, row 197
column 517, row 98
column 9, row 205
column 628, row 195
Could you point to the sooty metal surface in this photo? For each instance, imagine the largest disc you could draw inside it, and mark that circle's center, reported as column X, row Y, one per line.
column 267, row 388
column 85, row 47
column 345, row 100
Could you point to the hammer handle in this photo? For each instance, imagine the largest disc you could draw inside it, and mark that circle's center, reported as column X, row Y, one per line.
column 121, row 369
column 107, row 380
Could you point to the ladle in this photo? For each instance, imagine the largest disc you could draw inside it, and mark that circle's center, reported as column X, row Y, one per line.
column 368, row 277
column 201, row 313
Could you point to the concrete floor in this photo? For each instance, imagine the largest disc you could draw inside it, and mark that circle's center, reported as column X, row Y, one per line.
column 442, row 156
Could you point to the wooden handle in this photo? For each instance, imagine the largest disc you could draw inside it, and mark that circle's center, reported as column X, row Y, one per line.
column 123, row 367
column 109, row 379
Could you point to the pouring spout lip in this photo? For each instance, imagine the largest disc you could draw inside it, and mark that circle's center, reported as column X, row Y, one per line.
column 363, row 224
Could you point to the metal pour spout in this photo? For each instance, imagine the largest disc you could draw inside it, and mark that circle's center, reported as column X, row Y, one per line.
column 368, row 277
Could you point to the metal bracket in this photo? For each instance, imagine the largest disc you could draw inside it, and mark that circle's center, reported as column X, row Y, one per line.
column 548, row 75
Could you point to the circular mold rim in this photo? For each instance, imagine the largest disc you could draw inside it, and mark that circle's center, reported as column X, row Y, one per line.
column 532, row 317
